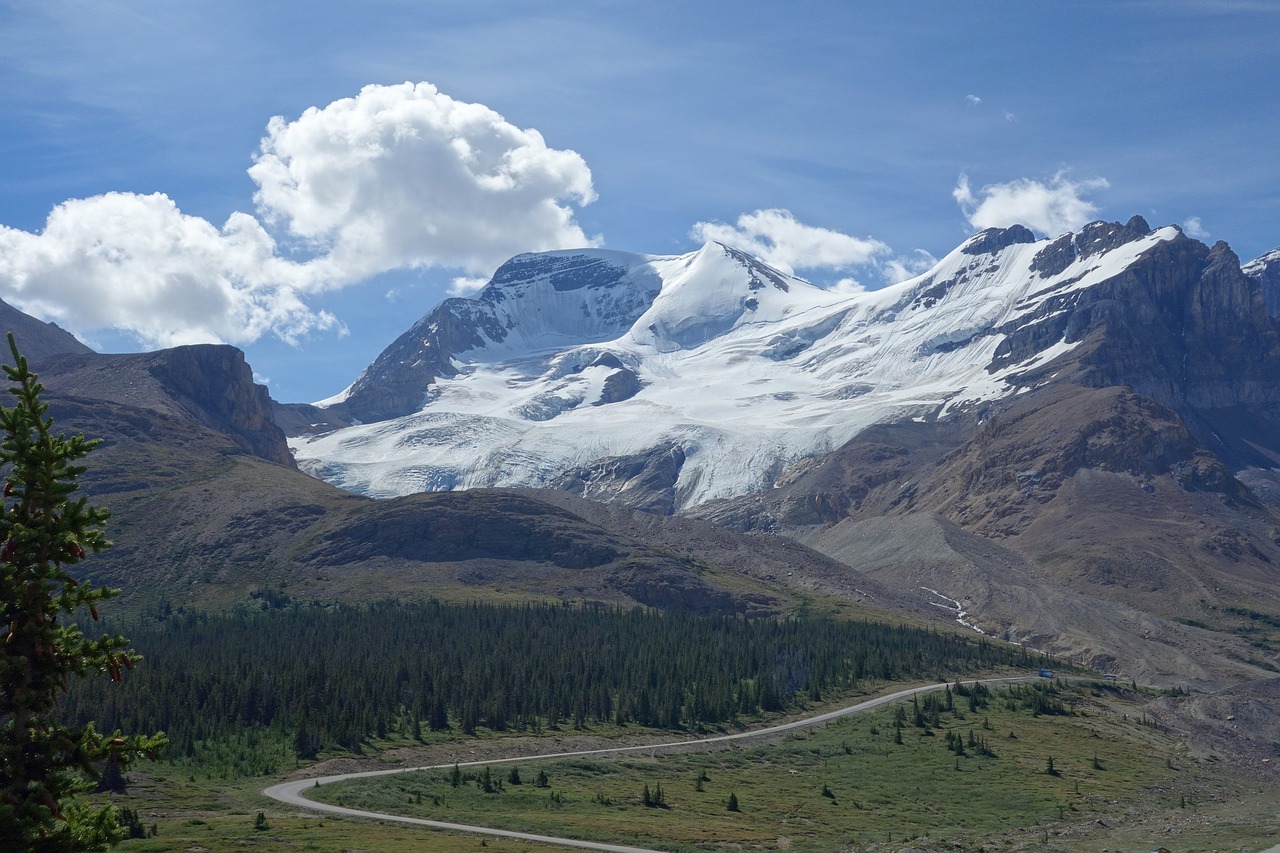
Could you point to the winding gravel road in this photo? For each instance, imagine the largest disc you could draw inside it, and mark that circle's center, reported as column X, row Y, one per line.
column 291, row 793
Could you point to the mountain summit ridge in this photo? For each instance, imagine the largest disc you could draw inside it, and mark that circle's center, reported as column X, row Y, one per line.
column 573, row 363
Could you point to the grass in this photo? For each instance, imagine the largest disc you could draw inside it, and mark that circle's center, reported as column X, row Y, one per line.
column 882, row 795
column 880, row 791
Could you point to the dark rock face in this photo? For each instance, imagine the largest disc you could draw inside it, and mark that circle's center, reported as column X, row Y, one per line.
column 467, row 526
column 1094, row 239
column 564, row 272
column 762, row 275
column 618, row 386
column 397, row 381
column 215, row 386
column 1266, row 271
column 208, row 384
column 1183, row 326
column 645, row 481
column 994, row 239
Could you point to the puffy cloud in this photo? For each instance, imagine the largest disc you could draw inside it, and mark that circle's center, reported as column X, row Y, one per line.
column 973, row 100
column 405, row 176
column 779, row 239
column 1192, row 227
column 847, row 286
column 464, row 286
column 136, row 263
column 904, row 267
column 399, row 176
column 1051, row 208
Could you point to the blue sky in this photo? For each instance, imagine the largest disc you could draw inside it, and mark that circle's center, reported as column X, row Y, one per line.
column 145, row 201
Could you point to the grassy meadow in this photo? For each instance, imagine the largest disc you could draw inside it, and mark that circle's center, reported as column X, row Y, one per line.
column 1117, row 783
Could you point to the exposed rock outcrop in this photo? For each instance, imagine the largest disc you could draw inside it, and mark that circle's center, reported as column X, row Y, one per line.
column 645, row 481
column 1182, row 325
column 208, row 384
column 215, row 385
column 1266, row 271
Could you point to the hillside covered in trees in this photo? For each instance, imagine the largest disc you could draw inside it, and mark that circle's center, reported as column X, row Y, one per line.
column 335, row 677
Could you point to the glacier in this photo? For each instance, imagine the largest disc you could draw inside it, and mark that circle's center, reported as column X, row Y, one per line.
column 570, row 358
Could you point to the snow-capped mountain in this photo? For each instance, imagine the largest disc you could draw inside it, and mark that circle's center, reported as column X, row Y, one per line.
column 1266, row 270
column 712, row 375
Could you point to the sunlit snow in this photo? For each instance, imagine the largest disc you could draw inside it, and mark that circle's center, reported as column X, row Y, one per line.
column 748, row 370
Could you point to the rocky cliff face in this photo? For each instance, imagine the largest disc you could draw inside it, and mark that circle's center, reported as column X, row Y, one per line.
column 1183, row 325
column 645, row 481
column 210, row 385
column 397, row 381
column 588, row 296
column 215, row 386
column 1266, row 271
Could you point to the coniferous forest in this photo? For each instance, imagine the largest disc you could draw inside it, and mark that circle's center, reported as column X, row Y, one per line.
column 336, row 676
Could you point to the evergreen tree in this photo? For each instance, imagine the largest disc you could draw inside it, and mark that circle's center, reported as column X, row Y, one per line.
column 306, row 739
column 45, row 763
column 733, row 802
column 112, row 779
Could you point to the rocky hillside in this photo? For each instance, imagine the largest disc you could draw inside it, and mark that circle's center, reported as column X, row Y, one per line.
column 37, row 340
column 1072, row 440
column 211, row 386
column 208, row 508
column 1087, row 521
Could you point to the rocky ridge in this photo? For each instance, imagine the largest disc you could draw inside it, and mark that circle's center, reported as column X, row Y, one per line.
column 1072, row 440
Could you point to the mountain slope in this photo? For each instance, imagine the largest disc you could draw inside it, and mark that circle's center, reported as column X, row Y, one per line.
column 208, row 509
column 36, row 340
column 1072, row 440
column 733, row 372
column 1089, row 522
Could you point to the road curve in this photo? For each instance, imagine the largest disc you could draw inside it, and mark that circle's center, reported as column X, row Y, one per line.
column 291, row 793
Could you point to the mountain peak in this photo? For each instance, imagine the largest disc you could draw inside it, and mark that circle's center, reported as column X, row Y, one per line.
column 712, row 373
column 707, row 293
column 1265, row 269
column 36, row 340
column 1096, row 238
column 561, row 270
column 992, row 240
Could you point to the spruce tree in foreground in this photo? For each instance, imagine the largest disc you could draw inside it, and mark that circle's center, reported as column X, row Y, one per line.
column 44, row 763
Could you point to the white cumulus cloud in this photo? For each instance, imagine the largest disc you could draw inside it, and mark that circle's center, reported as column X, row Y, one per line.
column 136, row 263
column 406, row 176
column 776, row 237
column 465, row 285
column 1051, row 208
column 903, row 267
column 1193, row 227
column 398, row 176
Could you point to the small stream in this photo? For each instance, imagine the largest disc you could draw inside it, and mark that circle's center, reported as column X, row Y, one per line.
column 962, row 616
